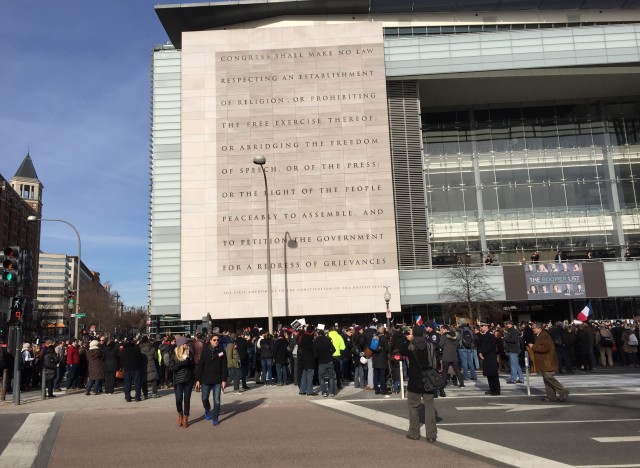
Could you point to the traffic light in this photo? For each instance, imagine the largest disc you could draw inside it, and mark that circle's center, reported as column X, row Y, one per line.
column 26, row 267
column 71, row 297
column 17, row 309
column 11, row 266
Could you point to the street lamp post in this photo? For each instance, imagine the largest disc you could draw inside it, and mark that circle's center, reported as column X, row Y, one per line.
column 261, row 161
column 78, row 272
column 387, row 299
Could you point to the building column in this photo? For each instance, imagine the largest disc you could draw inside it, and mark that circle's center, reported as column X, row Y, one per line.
column 478, row 182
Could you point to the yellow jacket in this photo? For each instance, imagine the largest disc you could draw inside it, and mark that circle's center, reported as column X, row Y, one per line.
column 338, row 342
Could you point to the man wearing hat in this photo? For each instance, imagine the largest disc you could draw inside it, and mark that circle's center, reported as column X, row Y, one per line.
column 421, row 354
column 487, row 352
column 434, row 338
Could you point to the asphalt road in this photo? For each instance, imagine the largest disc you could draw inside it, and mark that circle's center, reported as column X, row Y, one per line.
column 598, row 426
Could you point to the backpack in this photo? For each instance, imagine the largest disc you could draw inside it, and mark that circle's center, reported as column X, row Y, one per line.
column 467, row 339
column 558, row 340
column 375, row 341
column 632, row 340
column 169, row 359
column 50, row 361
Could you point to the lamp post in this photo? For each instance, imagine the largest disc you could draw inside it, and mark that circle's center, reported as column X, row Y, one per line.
column 387, row 299
column 261, row 161
column 78, row 272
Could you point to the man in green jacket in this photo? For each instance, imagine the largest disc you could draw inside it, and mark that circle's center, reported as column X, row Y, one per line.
column 338, row 344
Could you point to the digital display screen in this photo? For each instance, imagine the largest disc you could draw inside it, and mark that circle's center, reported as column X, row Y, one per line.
column 554, row 280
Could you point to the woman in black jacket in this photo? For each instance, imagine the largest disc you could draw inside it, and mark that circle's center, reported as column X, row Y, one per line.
column 280, row 357
column 181, row 364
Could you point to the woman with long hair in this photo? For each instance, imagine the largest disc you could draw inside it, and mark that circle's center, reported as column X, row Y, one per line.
column 181, row 363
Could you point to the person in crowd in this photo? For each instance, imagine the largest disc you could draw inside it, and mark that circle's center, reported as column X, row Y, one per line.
column 619, row 354
column 110, row 359
column 421, row 355
column 130, row 358
column 450, row 343
column 26, row 366
column 180, row 363
column 265, row 345
column 50, row 366
column 535, row 257
column 148, row 368
column 281, row 357
column 582, row 346
column 395, row 360
column 380, row 362
column 560, row 336
column 307, row 361
column 242, row 344
column 323, row 351
column 233, row 363
column 83, row 366
column 359, row 360
column 487, row 351
column 197, row 345
column 605, row 342
column 630, row 346
column 73, row 361
column 501, row 354
column 339, row 345
column 166, row 348
column 345, row 355
column 528, row 338
column 95, row 368
column 211, row 375
column 431, row 334
column 61, row 352
column 468, row 343
column 513, row 348
column 547, row 363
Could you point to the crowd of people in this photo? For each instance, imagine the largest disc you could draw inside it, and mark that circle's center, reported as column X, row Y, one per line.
column 373, row 358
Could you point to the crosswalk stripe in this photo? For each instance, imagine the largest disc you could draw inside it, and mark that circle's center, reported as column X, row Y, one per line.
column 486, row 449
column 22, row 450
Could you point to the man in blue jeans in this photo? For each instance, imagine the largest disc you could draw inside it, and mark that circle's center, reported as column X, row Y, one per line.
column 211, row 376
column 512, row 347
column 466, row 351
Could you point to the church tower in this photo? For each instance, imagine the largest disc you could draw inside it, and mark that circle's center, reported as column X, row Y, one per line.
column 26, row 183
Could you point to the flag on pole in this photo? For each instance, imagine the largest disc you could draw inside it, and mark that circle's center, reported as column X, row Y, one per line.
column 584, row 313
column 418, row 319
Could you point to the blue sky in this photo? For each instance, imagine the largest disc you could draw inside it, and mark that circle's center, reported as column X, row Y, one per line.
column 75, row 93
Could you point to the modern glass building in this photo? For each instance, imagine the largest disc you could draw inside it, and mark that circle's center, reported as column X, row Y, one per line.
column 513, row 127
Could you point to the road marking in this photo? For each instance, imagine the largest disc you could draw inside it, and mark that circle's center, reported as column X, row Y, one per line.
column 607, row 466
column 22, row 449
column 502, row 423
column 510, row 407
column 477, row 447
column 503, row 396
column 617, row 439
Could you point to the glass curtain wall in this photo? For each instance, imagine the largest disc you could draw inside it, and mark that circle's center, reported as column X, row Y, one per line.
column 516, row 180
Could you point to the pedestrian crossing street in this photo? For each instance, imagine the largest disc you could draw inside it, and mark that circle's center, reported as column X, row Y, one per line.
column 23, row 445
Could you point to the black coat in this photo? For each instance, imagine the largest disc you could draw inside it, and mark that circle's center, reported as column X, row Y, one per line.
column 380, row 358
column 280, row 351
column 242, row 344
column 323, row 349
column 487, row 347
column 266, row 348
column 305, row 351
column 212, row 367
column 418, row 358
column 130, row 357
column 582, row 343
column 110, row 358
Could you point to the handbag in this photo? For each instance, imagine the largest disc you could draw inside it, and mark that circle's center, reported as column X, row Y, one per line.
column 368, row 353
column 432, row 380
column 119, row 374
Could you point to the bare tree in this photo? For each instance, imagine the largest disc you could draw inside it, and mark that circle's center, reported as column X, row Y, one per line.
column 469, row 294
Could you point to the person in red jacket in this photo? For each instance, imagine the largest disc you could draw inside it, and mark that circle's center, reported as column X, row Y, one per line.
column 73, row 360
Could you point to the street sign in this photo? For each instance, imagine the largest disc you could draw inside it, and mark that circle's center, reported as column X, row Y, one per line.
column 81, row 315
column 72, row 315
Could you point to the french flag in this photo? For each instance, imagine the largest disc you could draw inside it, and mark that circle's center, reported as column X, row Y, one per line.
column 418, row 319
column 584, row 313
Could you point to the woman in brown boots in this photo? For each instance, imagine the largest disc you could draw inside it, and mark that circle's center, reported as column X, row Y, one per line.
column 181, row 363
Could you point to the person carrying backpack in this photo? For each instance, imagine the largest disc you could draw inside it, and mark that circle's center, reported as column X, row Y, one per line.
column 630, row 347
column 421, row 355
column 50, row 363
column 465, row 351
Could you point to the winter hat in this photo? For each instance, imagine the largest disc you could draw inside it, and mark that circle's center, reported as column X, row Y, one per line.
column 358, row 328
column 429, row 324
column 93, row 344
column 181, row 340
column 26, row 346
column 418, row 330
